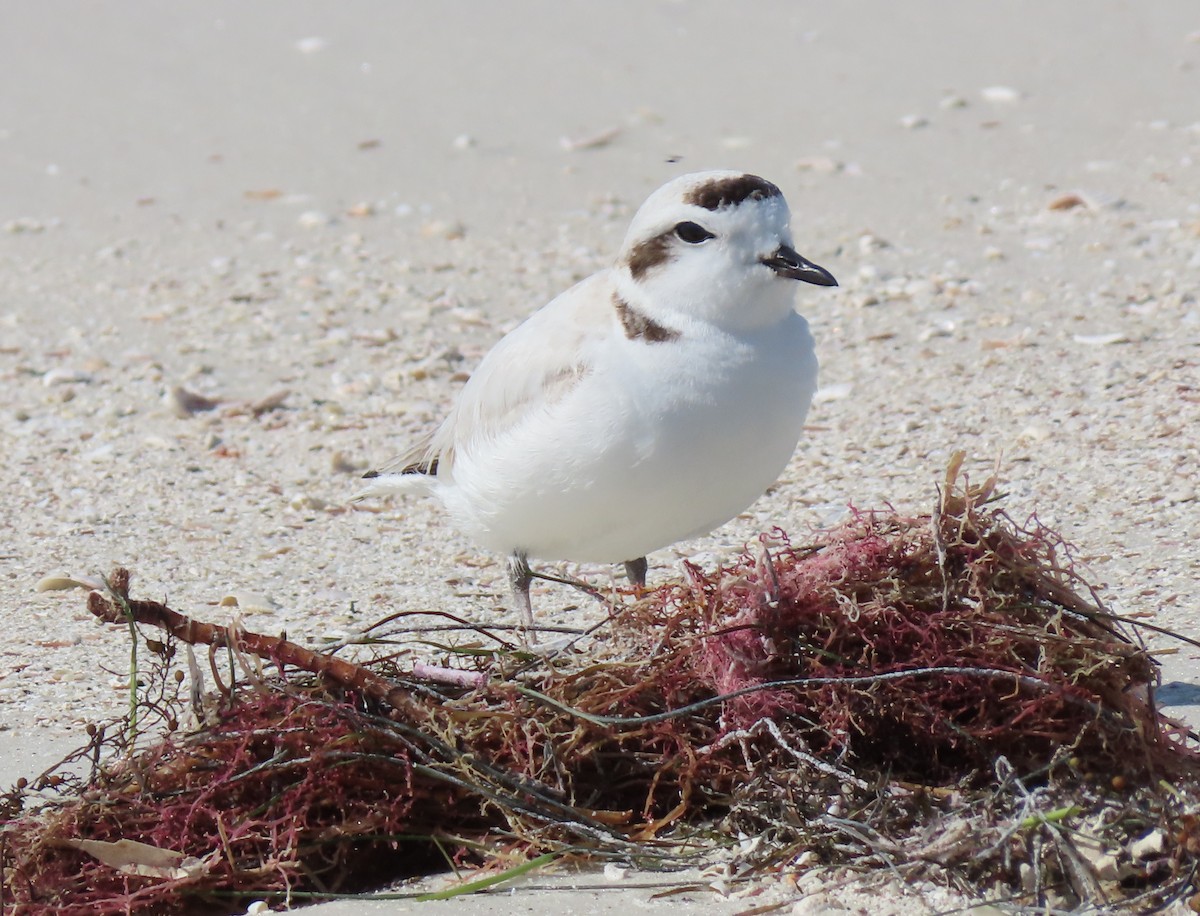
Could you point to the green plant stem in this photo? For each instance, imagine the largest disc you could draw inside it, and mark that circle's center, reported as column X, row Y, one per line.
column 472, row 887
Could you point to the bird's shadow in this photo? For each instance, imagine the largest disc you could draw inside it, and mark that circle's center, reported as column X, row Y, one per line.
column 1178, row 693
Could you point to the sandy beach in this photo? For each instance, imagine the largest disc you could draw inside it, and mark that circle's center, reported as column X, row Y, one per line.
column 320, row 218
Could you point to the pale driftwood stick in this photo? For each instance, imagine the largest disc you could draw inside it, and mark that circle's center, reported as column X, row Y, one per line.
column 112, row 608
column 453, row 676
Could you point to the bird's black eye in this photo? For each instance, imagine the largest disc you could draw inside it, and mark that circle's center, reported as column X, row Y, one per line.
column 693, row 233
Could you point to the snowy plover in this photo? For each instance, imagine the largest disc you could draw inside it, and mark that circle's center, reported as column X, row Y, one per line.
column 647, row 404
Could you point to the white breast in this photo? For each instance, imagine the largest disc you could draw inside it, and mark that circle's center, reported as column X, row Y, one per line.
column 660, row 442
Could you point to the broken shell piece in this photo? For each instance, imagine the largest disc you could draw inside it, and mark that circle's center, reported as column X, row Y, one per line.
column 1086, row 199
column 450, row 230
column 133, row 858
column 63, row 583
column 1101, row 340
column 1001, row 94
column 1066, row 202
column 823, row 164
column 313, row 219
column 737, row 142
column 595, row 141
column 341, row 463
column 307, row 502
column 24, row 224
column 311, row 45
column 614, row 872
column 1151, row 845
column 184, row 403
column 834, row 392
column 60, row 376
column 250, row 601
column 270, row 402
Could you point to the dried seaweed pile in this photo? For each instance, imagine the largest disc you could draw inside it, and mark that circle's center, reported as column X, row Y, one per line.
column 934, row 694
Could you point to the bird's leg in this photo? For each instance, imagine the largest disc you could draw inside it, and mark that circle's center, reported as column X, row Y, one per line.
column 635, row 572
column 519, row 578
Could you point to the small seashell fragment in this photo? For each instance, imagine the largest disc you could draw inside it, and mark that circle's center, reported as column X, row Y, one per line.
column 184, row 403
column 736, row 142
column 64, row 583
column 595, row 141
column 1066, row 202
column 250, row 601
column 1152, row 844
column 942, row 329
column 307, row 502
column 340, row 463
column 311, row 45
column 614, row 872
column 1101, row 340
column 441, row 229
column 313, row 219
column 833, row 392
column 130, row 857
column 62, row 376
column 913, row 121
column 1001, row 94
column 1003, row 343
column 823, row 164
column 270, row 402
column 23, row 224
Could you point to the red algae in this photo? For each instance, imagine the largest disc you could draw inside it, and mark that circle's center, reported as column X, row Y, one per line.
column 860, row 698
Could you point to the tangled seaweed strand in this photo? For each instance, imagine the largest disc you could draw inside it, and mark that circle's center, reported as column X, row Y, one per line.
column 933, row 694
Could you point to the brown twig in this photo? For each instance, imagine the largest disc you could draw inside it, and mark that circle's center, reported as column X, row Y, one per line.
column 274, row 648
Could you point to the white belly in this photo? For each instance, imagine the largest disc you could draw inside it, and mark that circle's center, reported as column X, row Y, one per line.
column 678, row 441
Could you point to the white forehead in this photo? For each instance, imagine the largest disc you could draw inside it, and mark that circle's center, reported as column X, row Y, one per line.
column 705, row 197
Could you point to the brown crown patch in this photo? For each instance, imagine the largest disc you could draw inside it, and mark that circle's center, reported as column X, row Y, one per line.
column 729, row 192
column 647, row 255
column 641, row 327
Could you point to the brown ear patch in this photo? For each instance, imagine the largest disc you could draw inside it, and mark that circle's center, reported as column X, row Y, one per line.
column 647, row 255
column 641, row 327
column 729, row 192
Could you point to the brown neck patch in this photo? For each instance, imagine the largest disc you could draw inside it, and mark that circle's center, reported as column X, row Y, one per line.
column 729, row 192
column 641, row 327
